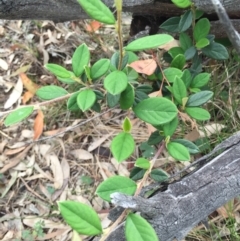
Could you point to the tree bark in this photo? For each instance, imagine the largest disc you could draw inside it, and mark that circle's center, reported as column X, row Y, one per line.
column 185, row 203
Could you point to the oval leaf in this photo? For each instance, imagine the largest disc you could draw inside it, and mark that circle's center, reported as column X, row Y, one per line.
column 50, row 92
column 156, row 110
column 122, row 146
column 171, row 74
column 192, row 148
column 201, row 29
column 149, row 42
column 116, row 184
column 86, row 99
column 127, row 97
column 178, row 151
column 142, row 163
column 127, row 125
column 198, row 113
column 200, row 80
column 80, row 217
column 100, row 68
column 18, row 115
column 199, row 98
column 137, row 228
column 58, row 70
column 179, row 90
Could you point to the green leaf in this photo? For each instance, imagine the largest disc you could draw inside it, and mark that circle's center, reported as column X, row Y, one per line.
column 68, row 81
column 80, row 217
column 116, row 82
column 112, row 100
column 50, row 92
column 115, row 60
column 185, row 41
column 98, row 11
column 155, row 138
column 198, row 14
column 147, row 150
column 137, row 228
column 201, row 29
column 139, row 96
column 142, row 163
column 127, row 97
column 132, row 57
column 170, row 127
column 175, row 51
column 72, row 102
column 149, row 42
column 179, row 90
column 182, row 3
column 156, row 110
column 190, row 53
column 186, row 21
column 186, row 77
column 58, row 70
column 216, row 51
column 171, row 74
column 203, row 42
column 178, row 62
column 137, row 173
column 18, row 115
column 122, row 146
column 198, row 113
column 116, row 184
column 132, row 74
column 80, row 58
column 171, row 25
column 100, row 68
column 178, row 151
column 145, row 88
column 86, row 99
column 159, row 175
column 199, row 98
column 127, row 125
column 200, row 80
column 192, row 148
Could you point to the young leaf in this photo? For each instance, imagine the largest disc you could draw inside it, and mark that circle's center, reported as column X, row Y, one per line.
column 127, row 97
column 175, row 51
column 200, row 80
column 142, row 163
column 122, row 146
column 170, row 127
column 116, row 184
column 171, row 25
column 98, row 11
column 58, row 70
column 156, row 110
column 185, row 41
column 216, row 51
column 199, row 98
column 201, row 29
column 50, row 92
column 116, row 82
column 86, row 99
column 198, row 113
column 72, row 102
column 192, row 148
column 178, row 151
column 201, row 43
column 18, row 115
column 149, row 42
column 137, row 228
column 100, row 68
column 127, row 125
column 178, row 62
column 171, row 74
column 186, row 21
column 182, row 3
column 159, row 175
column 80, row 58
column 80, row 217
column 179, row 90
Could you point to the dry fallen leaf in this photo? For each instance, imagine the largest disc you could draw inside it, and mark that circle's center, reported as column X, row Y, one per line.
column 93, row 26
column 38, row 125
column 28, row 83
column 146, row 66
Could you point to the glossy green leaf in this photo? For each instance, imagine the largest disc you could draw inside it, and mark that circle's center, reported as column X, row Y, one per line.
column 72, row 102
column 170, row 128
column 58, row 70
column 178, row 62
column 216, row 51
column 100, row 68
column 155, row 138
column 186, row 21
column 50, row 92
column 185, row 41
column 179, row 90
column 98, row 11
column 198, row 113
column 200, row 80
column 171, row 74
column 142, row 163
column 127, row 125
column 122, row 146
column 178, row 151
column 116, row 184
column 80, row 217
column 156, row 110
column 149, row 42
column 86, row 99
column 18, row 115
column 116, row 82
column 201, row 43
column 80, row 59
column 137, row 228
column 137, row 173
column 190, row 53
column 127, row 97
column 182, row 3
column 171, row 25
column 199, row 98
column 192, row 148
column 201, row 29
column 186, row 77
column 159, row 175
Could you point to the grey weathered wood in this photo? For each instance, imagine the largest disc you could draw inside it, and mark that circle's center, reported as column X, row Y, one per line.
column 176, row 211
